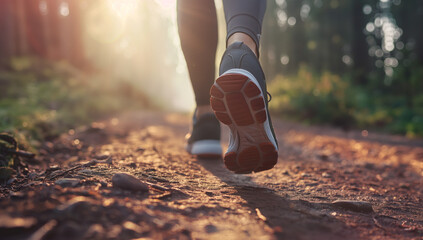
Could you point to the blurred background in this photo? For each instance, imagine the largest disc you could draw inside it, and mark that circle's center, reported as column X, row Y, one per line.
column 355, row 64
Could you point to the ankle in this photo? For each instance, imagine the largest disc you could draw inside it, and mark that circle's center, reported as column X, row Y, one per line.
column 242, row 37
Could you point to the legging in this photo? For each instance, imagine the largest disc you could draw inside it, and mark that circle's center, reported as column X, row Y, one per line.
column 197, row 25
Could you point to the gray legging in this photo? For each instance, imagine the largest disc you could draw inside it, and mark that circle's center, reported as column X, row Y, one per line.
column 197, row 24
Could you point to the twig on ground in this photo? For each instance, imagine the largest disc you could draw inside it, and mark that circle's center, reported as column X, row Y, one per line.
column 46, row 228
column 88, row 164
column 261, row 216
column 161, row 196
column 378, row 224
column 157, row 187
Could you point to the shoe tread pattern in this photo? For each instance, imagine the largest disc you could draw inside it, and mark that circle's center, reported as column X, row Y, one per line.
column 238, row 101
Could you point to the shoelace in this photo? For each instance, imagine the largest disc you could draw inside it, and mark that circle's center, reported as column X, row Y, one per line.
column 269, row 97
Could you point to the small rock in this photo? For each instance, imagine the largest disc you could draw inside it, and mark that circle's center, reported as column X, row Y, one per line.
column 132, row 165
column 103, row 184
column 356, row 206
column 210, row 194
column 186, row 232
column 67, row 182
column 311, row 184
column 53, row 168
column 323, row 157
column 128, row 182
column 132, row 226
column 102, row 157
column 140, row 149
column 210, row 228
column 326, row 175
column 305, row 175
column 76, row 205
column 369, row 166
column 17, row 195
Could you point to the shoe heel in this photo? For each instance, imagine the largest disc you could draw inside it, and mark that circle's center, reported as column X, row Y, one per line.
column 238, row 102
column 235, row 99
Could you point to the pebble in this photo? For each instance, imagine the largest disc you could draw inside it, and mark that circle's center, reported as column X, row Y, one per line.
column 210, row 194
column 326, row 175
column 53, row 168
column 356, row 206
column 128, row 182
column 67, row 182
column 369, row 166
column 323, row 157
column 103, row 184
column 102, row 157
column 311, row 184
column 76, row 204
column 305, row 175
column 210, row 228
column 17, row 195
column 140, row 149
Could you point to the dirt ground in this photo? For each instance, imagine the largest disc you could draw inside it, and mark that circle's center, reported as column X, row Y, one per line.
column 328, row 184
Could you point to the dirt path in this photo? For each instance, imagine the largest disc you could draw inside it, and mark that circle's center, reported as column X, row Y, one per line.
column 61, row 198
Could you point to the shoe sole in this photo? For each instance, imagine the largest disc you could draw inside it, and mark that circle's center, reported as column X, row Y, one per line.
column 238, row 102
column 205, row 149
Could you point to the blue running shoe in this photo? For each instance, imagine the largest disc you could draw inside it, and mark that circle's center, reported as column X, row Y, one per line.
column 204, row 139
column 240, row 100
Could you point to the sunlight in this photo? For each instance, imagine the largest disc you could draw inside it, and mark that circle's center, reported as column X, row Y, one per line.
column 141, row 38
column 166, row 4
column 123, row 8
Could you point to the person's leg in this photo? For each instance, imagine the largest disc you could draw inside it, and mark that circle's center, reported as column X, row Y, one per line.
column 239, row 95
column 197, row 25
column 244, row 20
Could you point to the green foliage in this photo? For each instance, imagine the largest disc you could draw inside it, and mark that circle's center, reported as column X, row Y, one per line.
column 40, row 100
column 8, row 146
column 327, row 98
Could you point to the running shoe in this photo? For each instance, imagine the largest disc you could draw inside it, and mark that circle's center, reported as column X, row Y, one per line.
column 239, row 99
column 204, row 139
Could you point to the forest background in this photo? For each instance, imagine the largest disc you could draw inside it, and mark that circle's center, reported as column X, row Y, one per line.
column 355, row 64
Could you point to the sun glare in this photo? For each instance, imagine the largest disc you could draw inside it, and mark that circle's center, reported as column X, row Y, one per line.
column 166, row 4
column 141, row 39
column 123, row 8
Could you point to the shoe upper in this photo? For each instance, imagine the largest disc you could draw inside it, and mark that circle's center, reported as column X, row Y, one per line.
column 239, row 55
column 206, row 127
